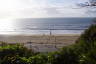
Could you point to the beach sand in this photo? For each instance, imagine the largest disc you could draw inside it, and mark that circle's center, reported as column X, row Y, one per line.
column 41, row 43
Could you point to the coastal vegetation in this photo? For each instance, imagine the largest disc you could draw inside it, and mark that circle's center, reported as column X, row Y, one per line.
column 82, row 52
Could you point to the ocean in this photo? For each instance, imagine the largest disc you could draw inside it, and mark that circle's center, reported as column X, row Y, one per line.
column 45, row 26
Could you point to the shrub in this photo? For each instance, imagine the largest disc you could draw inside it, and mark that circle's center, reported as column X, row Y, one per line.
column 10, row 51
column 67, row 56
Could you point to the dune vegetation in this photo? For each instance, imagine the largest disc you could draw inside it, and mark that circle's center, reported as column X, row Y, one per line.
column 82, row 52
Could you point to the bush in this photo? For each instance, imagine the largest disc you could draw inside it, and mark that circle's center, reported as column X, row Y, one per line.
column 88, row 58
column 10, row 51
column 38, row 59
column 83, row 52
column 86, row 46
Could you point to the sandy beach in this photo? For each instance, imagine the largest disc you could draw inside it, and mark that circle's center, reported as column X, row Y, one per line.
column 41, row 43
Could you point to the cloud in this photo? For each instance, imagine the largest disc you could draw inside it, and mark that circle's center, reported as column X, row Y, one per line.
column 43, row 8
column 66, row 12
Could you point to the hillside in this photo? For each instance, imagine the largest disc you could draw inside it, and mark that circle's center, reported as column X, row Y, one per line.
column 83, row 52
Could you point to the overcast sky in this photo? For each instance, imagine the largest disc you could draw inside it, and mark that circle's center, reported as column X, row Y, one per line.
column 43, row 8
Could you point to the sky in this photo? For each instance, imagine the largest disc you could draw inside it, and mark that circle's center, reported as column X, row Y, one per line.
column 44, row 8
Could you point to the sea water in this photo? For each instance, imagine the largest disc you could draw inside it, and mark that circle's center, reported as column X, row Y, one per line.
column 45, row 26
